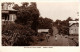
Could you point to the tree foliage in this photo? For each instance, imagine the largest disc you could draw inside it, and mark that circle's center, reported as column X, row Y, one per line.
column 17, row 35
column 45, row 23
column 27, row 13
column 63, row 26
column 22, row 32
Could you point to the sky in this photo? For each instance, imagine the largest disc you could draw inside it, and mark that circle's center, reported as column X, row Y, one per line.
column 58, row 10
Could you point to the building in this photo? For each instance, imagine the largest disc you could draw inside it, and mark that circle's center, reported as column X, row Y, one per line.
column 43, row 30
column 42, row 33
column 8, row 13
column 74, row 28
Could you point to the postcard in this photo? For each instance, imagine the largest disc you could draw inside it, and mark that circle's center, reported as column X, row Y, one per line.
column 42, row 25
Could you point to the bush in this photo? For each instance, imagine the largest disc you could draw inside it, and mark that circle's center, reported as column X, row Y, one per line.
column 17, row 35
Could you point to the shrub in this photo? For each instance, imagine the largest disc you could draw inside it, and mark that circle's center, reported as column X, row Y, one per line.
column 17, row 35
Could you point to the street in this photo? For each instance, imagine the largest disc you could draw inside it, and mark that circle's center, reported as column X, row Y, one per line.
column 61, row 40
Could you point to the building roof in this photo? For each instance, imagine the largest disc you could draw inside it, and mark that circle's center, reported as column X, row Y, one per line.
column 71, row 22
column 7, row 11
column 43, row 30
column 77, row 24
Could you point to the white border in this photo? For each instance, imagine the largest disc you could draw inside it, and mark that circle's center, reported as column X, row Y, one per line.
column 54, row 49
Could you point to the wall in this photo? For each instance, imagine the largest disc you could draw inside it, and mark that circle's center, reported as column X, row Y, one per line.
column 73, row 30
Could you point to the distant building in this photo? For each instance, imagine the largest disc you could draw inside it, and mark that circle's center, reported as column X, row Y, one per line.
column 74, row 28
column 8, row 13
column 42, row 33
column 43, row 30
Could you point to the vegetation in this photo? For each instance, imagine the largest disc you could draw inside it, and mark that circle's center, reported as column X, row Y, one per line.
column 24, row 31
column 27, row 13
column 63, row 26
column 17, row 35
column 45, row 23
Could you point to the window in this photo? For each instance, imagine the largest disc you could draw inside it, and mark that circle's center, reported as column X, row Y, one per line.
column 5, row 17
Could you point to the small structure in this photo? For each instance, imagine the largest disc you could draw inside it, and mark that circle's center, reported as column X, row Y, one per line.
column 73, row 29
column 43, row 30
column 43, row 33
column 8, row 13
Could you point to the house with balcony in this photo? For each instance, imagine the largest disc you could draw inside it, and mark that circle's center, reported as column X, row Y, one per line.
column 8, row 13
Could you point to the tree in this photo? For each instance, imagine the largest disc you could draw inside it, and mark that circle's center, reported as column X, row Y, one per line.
column 45, row 23
column 24, row 28
column 69, row 19
column 76, row 19
column 25, row 4
column 57, row 22
column 63, row 26
column 28, row 15
column 16, row 7
column 35, row 15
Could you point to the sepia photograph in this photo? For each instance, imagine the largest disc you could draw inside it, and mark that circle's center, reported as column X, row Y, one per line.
column 40, row 23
